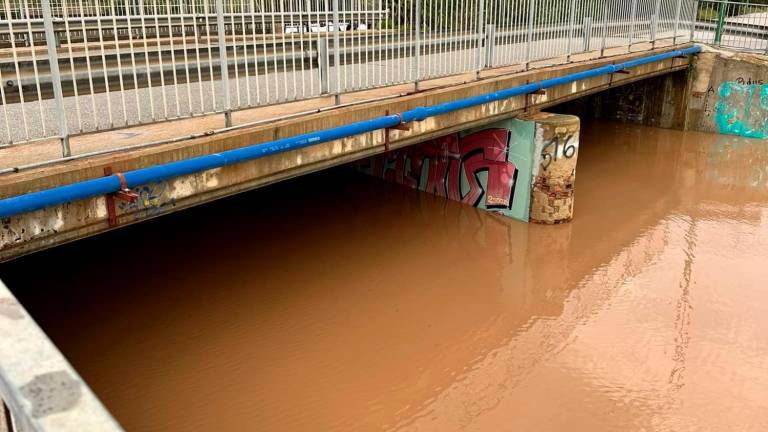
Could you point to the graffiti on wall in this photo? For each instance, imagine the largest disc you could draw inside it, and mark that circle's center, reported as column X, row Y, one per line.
column 743, row 109
column 475, row 169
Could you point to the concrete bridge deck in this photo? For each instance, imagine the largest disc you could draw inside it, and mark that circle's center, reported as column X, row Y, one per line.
column 43, row 228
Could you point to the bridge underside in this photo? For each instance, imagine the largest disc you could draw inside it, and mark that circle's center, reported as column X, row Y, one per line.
column 40, row 229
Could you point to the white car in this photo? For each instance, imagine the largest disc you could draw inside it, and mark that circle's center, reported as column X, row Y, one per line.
column 293, row 28
column 327, row 27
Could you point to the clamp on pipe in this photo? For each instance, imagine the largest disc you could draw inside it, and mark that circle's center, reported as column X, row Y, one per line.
column 403, row 126
column 124, row 194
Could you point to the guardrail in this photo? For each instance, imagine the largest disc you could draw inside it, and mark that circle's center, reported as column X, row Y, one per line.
column 733, row 24
column 78, row 66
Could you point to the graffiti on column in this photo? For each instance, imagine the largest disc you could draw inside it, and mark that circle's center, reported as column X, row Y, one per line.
column 559, row 146
column 474, row 169
column 742, row 109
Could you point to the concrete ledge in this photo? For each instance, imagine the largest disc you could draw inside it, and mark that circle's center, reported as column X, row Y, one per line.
column 41, row 389
column 44, row 228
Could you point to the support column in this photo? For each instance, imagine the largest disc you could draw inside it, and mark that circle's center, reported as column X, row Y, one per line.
column 556, row 148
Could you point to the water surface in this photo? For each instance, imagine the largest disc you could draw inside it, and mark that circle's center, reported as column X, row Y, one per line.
column 339, row 302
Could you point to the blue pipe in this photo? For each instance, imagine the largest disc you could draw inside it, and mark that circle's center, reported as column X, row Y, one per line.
column 109, row 184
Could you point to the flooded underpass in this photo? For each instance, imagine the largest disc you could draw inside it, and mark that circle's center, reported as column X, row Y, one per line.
column 340, row 302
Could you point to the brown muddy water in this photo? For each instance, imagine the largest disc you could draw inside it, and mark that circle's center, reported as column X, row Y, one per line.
column 337, row 302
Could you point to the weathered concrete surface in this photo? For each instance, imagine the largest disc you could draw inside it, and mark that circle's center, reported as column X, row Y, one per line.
column 487, row 167
column 724, row 92
column 556, row 150
column 658, row 102
column 44, row 228
column 729, row 93
column 523, row 168
column 41, row 388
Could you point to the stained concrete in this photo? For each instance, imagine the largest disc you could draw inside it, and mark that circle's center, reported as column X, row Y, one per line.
column 729, row 93
column 38, row 383
column 556, row 144
column 657, row 102
column 723, row 92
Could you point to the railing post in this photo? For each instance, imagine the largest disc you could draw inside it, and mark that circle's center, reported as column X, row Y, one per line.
column 655, row 23
column 587, row 32
column 480, row 30
column 336, row 54
column 490, row 42
column 694, row 18
column 223, row 62
column 417, row 70
column 570, row 30
column 632, row 25
column 605, row 32
column 720, row 23
column 322, row 64
column 529, row 34
column 677, row 21
column 53, row 61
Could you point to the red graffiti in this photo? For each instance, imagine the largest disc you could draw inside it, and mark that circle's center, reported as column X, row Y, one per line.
column 445, row 159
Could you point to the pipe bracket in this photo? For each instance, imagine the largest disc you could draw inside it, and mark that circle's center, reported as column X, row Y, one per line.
column 124, row 194
column 402, row 126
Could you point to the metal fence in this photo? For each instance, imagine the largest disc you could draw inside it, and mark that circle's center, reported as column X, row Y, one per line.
column 75, row 66
column 740, row 25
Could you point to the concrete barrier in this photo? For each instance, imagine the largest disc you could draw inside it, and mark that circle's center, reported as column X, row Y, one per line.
column 41, row 389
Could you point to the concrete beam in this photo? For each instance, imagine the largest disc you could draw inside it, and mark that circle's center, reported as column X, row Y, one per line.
column 37, row 230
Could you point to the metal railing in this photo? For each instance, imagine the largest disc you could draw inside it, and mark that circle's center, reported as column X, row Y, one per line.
column 75, row 66
column 733, row 24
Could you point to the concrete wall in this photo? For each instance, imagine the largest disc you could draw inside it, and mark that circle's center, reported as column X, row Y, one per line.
column 488, row 168
column 724, row 92
column 38, row 384
column 729, row 94
column 657, row 102
column 520, row 167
